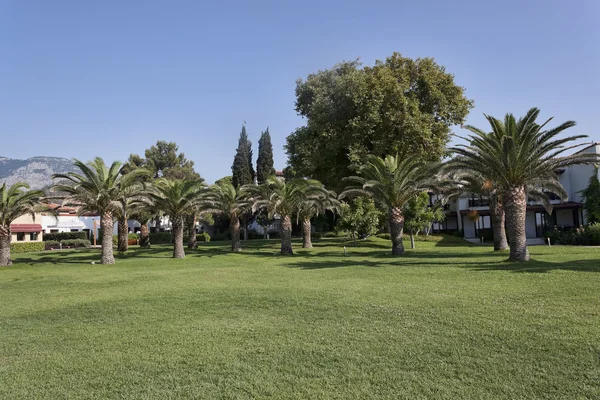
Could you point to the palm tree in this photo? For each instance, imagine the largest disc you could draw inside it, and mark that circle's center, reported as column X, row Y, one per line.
column 177, row 199
column 123, row 212
column 312, row 206
column 15, row 201
column 280, row 198
column 232, row 203
column 520, row 157
column 392, row 182
column 473, row 182
column 190, row 227
column 97, row 189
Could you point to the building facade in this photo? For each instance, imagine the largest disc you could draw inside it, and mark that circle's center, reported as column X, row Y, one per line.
column 470, row 214
column 27, row 228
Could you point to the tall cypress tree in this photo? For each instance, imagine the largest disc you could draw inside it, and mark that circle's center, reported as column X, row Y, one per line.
column 591, row 196
column 264, row 163
column 242, row 170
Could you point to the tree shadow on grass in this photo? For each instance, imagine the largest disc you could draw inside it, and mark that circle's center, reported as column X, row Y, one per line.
column 537, row 266
column 324, row 264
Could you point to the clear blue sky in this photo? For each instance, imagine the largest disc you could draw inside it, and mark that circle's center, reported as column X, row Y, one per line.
column 108, row 78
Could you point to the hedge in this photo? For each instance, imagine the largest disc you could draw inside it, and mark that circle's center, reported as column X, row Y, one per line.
column 52, row 244
column 60, row 236
column 27, row 247
column 582, row 236
column 75, row 243
column 160, row 238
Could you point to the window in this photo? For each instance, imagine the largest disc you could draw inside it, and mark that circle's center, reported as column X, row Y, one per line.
column 33, row 236
column 478, row 202
column 20, row 236
column 74, row 230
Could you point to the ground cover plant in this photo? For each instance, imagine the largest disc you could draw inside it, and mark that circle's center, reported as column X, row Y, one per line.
column 446, row 320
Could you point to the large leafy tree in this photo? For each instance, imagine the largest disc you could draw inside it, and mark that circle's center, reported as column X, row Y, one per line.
column 97, row 188
column 311, row 206
column 360, row 216
column 177, row 199
column 242, row 170
column 264, row 162
column 399, row 105
column 591, row 199
column 392, row 182
column 164, row 160
column 521, row 157
column 15, row 201
column 282, row 199
column 230, row 202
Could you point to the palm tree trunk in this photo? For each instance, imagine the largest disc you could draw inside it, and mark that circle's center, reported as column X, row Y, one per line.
column 107, row 224
column 123, row 233
column 245, row 223
column 177, row 234
column 286, row 235
column 234, row 227
column 144, row 235
column 191, row 229
column 5, row 238
column 306, row 234
column 498, row 226
column 396, row 222
column 515, row 206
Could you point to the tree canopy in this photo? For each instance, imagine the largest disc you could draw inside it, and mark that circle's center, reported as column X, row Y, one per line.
column 399, row 105
column 162, row 160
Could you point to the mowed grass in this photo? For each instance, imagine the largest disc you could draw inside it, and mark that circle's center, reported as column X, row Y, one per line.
column 446, row 320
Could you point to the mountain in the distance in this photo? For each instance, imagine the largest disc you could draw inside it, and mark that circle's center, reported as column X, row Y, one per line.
column 36, row 171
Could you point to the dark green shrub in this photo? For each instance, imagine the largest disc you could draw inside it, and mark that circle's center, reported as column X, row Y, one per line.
column 115, row 238
column 330, row 235
column 219, row 236
column 51, row 244
column 385, row 236
column 75, row 243
column 27, row 247
column 203, row 237
column 60, row 236
column 486, row 233
column 253, row 235
column 584, row 236
column 160, row 238
column 133, row 236
column 593, row 232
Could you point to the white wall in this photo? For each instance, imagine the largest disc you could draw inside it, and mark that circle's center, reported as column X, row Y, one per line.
column 579, row 176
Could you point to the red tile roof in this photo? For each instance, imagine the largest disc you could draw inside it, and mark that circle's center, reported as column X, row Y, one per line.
column 25, row 228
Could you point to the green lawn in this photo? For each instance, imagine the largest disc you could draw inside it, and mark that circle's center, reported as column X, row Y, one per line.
column 447, row 320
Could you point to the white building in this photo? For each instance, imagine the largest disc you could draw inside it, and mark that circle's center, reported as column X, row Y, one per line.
column 565, row 215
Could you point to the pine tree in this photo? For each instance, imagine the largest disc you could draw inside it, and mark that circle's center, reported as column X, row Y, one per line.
column 264, row 163
column 591, row 196
column 242, row 170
